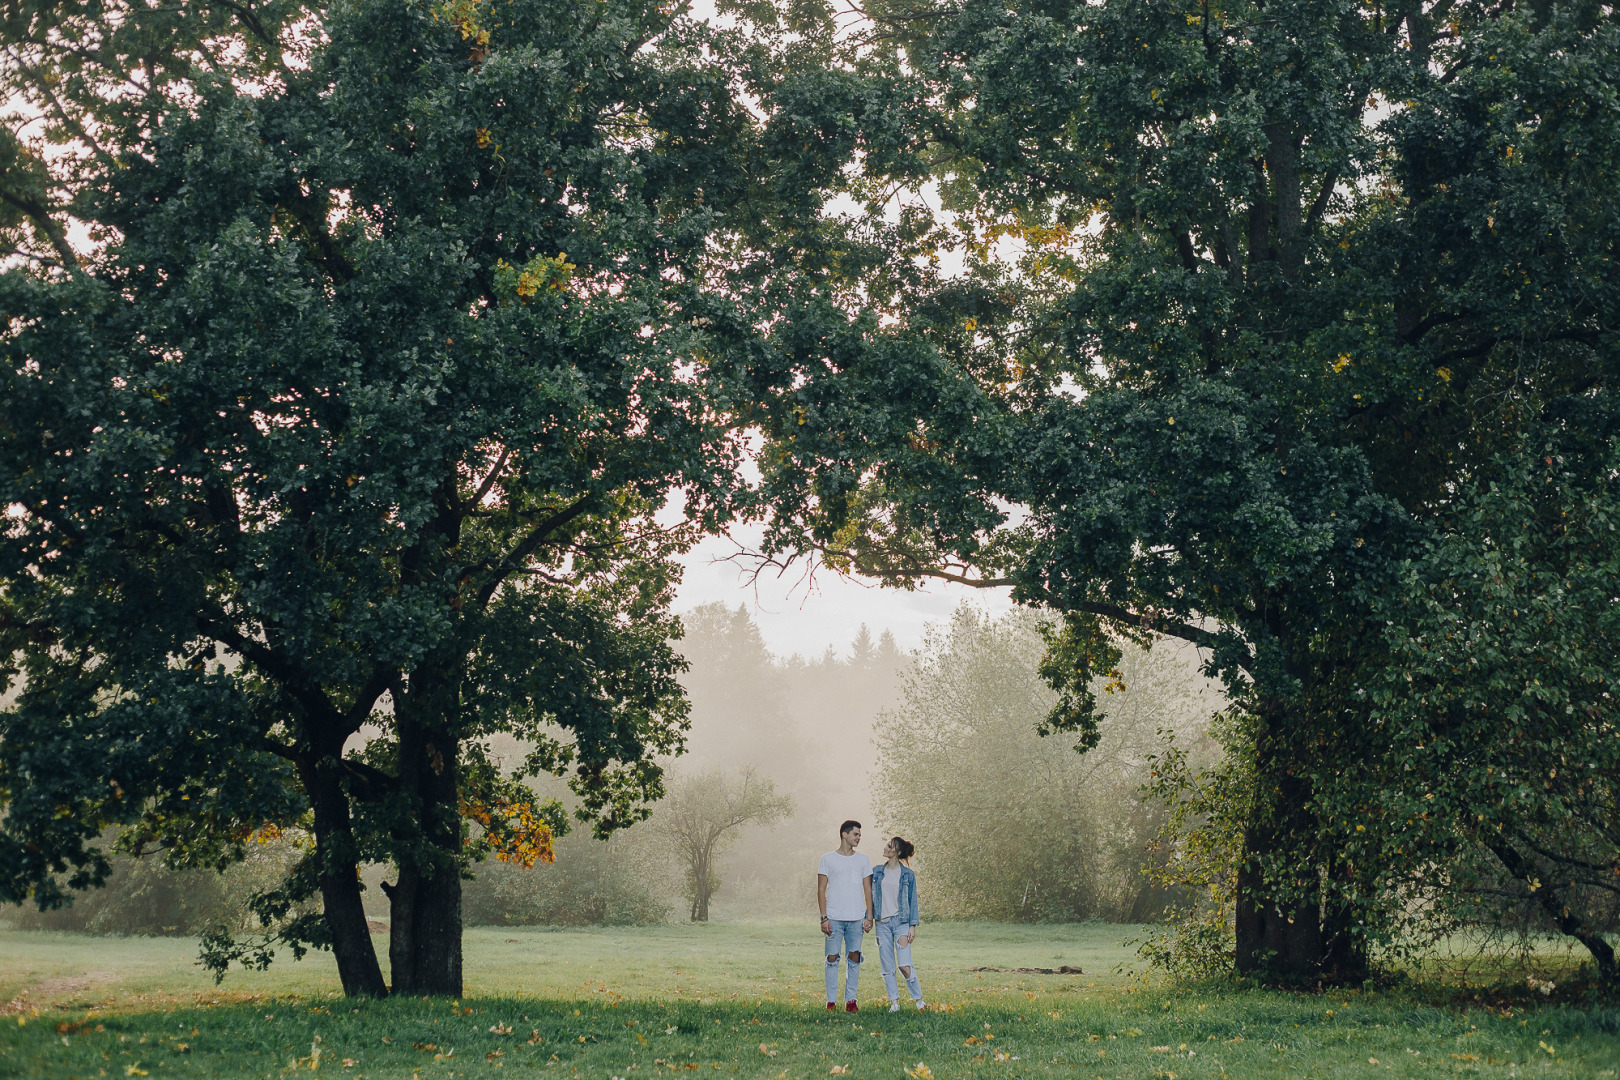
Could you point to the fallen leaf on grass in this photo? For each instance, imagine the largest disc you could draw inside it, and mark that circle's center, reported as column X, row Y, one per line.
column 766, row 1050
column 349, row 1063
column 973, row 1040
column 1372, row 1061
column 921, row 1072
column 493, row 1054
column 535, row 1039
column 424, row 1046
column 500, row 1029
column 838, row 1070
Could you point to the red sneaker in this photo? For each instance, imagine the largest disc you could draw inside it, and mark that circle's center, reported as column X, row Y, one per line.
column 850, row 1006
column 831, row 1007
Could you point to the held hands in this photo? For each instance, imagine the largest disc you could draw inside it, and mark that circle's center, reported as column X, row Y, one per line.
column 866, row 925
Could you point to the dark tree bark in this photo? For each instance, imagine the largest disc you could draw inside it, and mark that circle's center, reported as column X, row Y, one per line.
column 1284, row 934
column 700, row 887
column 345, row 912
column 424, row 949
column 1281, row 940
column 1282, row 162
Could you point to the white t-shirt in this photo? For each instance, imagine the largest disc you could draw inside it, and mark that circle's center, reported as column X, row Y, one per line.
column 846, row 899
column 891, row 894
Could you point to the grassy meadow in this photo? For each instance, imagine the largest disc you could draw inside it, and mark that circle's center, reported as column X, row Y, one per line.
column 746, row 999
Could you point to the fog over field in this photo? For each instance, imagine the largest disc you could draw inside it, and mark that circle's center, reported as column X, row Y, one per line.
column 924, row 738
column 913, row 712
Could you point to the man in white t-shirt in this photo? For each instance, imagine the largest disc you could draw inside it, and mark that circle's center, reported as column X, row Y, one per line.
column 844, row 894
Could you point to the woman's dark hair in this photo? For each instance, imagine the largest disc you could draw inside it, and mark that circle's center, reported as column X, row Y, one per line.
column 902, row 847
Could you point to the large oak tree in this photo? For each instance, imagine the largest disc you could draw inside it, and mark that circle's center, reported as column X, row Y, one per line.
column 1259, row 299
column 363, row 422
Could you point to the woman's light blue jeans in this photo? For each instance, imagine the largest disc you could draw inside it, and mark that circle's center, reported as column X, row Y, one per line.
column 844, row 940
column 893, row 957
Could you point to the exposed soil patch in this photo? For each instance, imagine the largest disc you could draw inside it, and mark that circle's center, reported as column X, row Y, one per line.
column 55, row 987
column 1066, row 969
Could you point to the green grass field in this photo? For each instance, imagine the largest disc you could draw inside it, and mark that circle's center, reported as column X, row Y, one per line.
column 623, row 1004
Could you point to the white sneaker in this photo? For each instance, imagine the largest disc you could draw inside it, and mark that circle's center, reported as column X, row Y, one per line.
column 921, row 1005
column 895, row 1007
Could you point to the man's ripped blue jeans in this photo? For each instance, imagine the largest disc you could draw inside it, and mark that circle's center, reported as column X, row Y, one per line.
column 843, row 943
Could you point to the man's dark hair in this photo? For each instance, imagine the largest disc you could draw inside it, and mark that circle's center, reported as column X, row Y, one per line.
column 902, row 847
column 848, row 825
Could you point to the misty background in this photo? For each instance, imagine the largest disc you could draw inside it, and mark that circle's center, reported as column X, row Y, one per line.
column 935, row 740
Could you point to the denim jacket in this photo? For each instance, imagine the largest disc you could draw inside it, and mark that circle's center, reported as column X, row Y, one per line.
column 908, row 893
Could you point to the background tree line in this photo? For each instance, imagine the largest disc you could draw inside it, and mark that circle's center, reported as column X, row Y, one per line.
column 939, row 745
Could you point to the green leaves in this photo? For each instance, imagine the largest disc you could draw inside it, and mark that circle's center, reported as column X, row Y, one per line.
column 1288, row 281
column 361, row 425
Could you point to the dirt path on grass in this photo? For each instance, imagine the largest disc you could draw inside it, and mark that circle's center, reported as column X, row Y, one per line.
column 53, row 989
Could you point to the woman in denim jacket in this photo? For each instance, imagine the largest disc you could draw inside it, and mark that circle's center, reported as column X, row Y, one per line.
column 894, row 894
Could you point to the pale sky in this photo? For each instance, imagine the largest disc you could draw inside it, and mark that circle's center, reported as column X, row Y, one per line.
column 796, row 617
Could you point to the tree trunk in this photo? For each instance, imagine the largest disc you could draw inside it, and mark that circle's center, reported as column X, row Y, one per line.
column 700, row 888
column 1282, row 162
column 1275, row 939
column 341, row 903
column 424, row 948
column 1279, row 932
column 1346, row 958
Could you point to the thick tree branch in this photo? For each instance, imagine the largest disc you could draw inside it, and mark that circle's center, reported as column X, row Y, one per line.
column 1319, row 205
column 489, row 481
column 315, row 704
column 1561, row 914
column 514, row 560
column 1184, row 248
column 40, row 215
column 374, row 688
